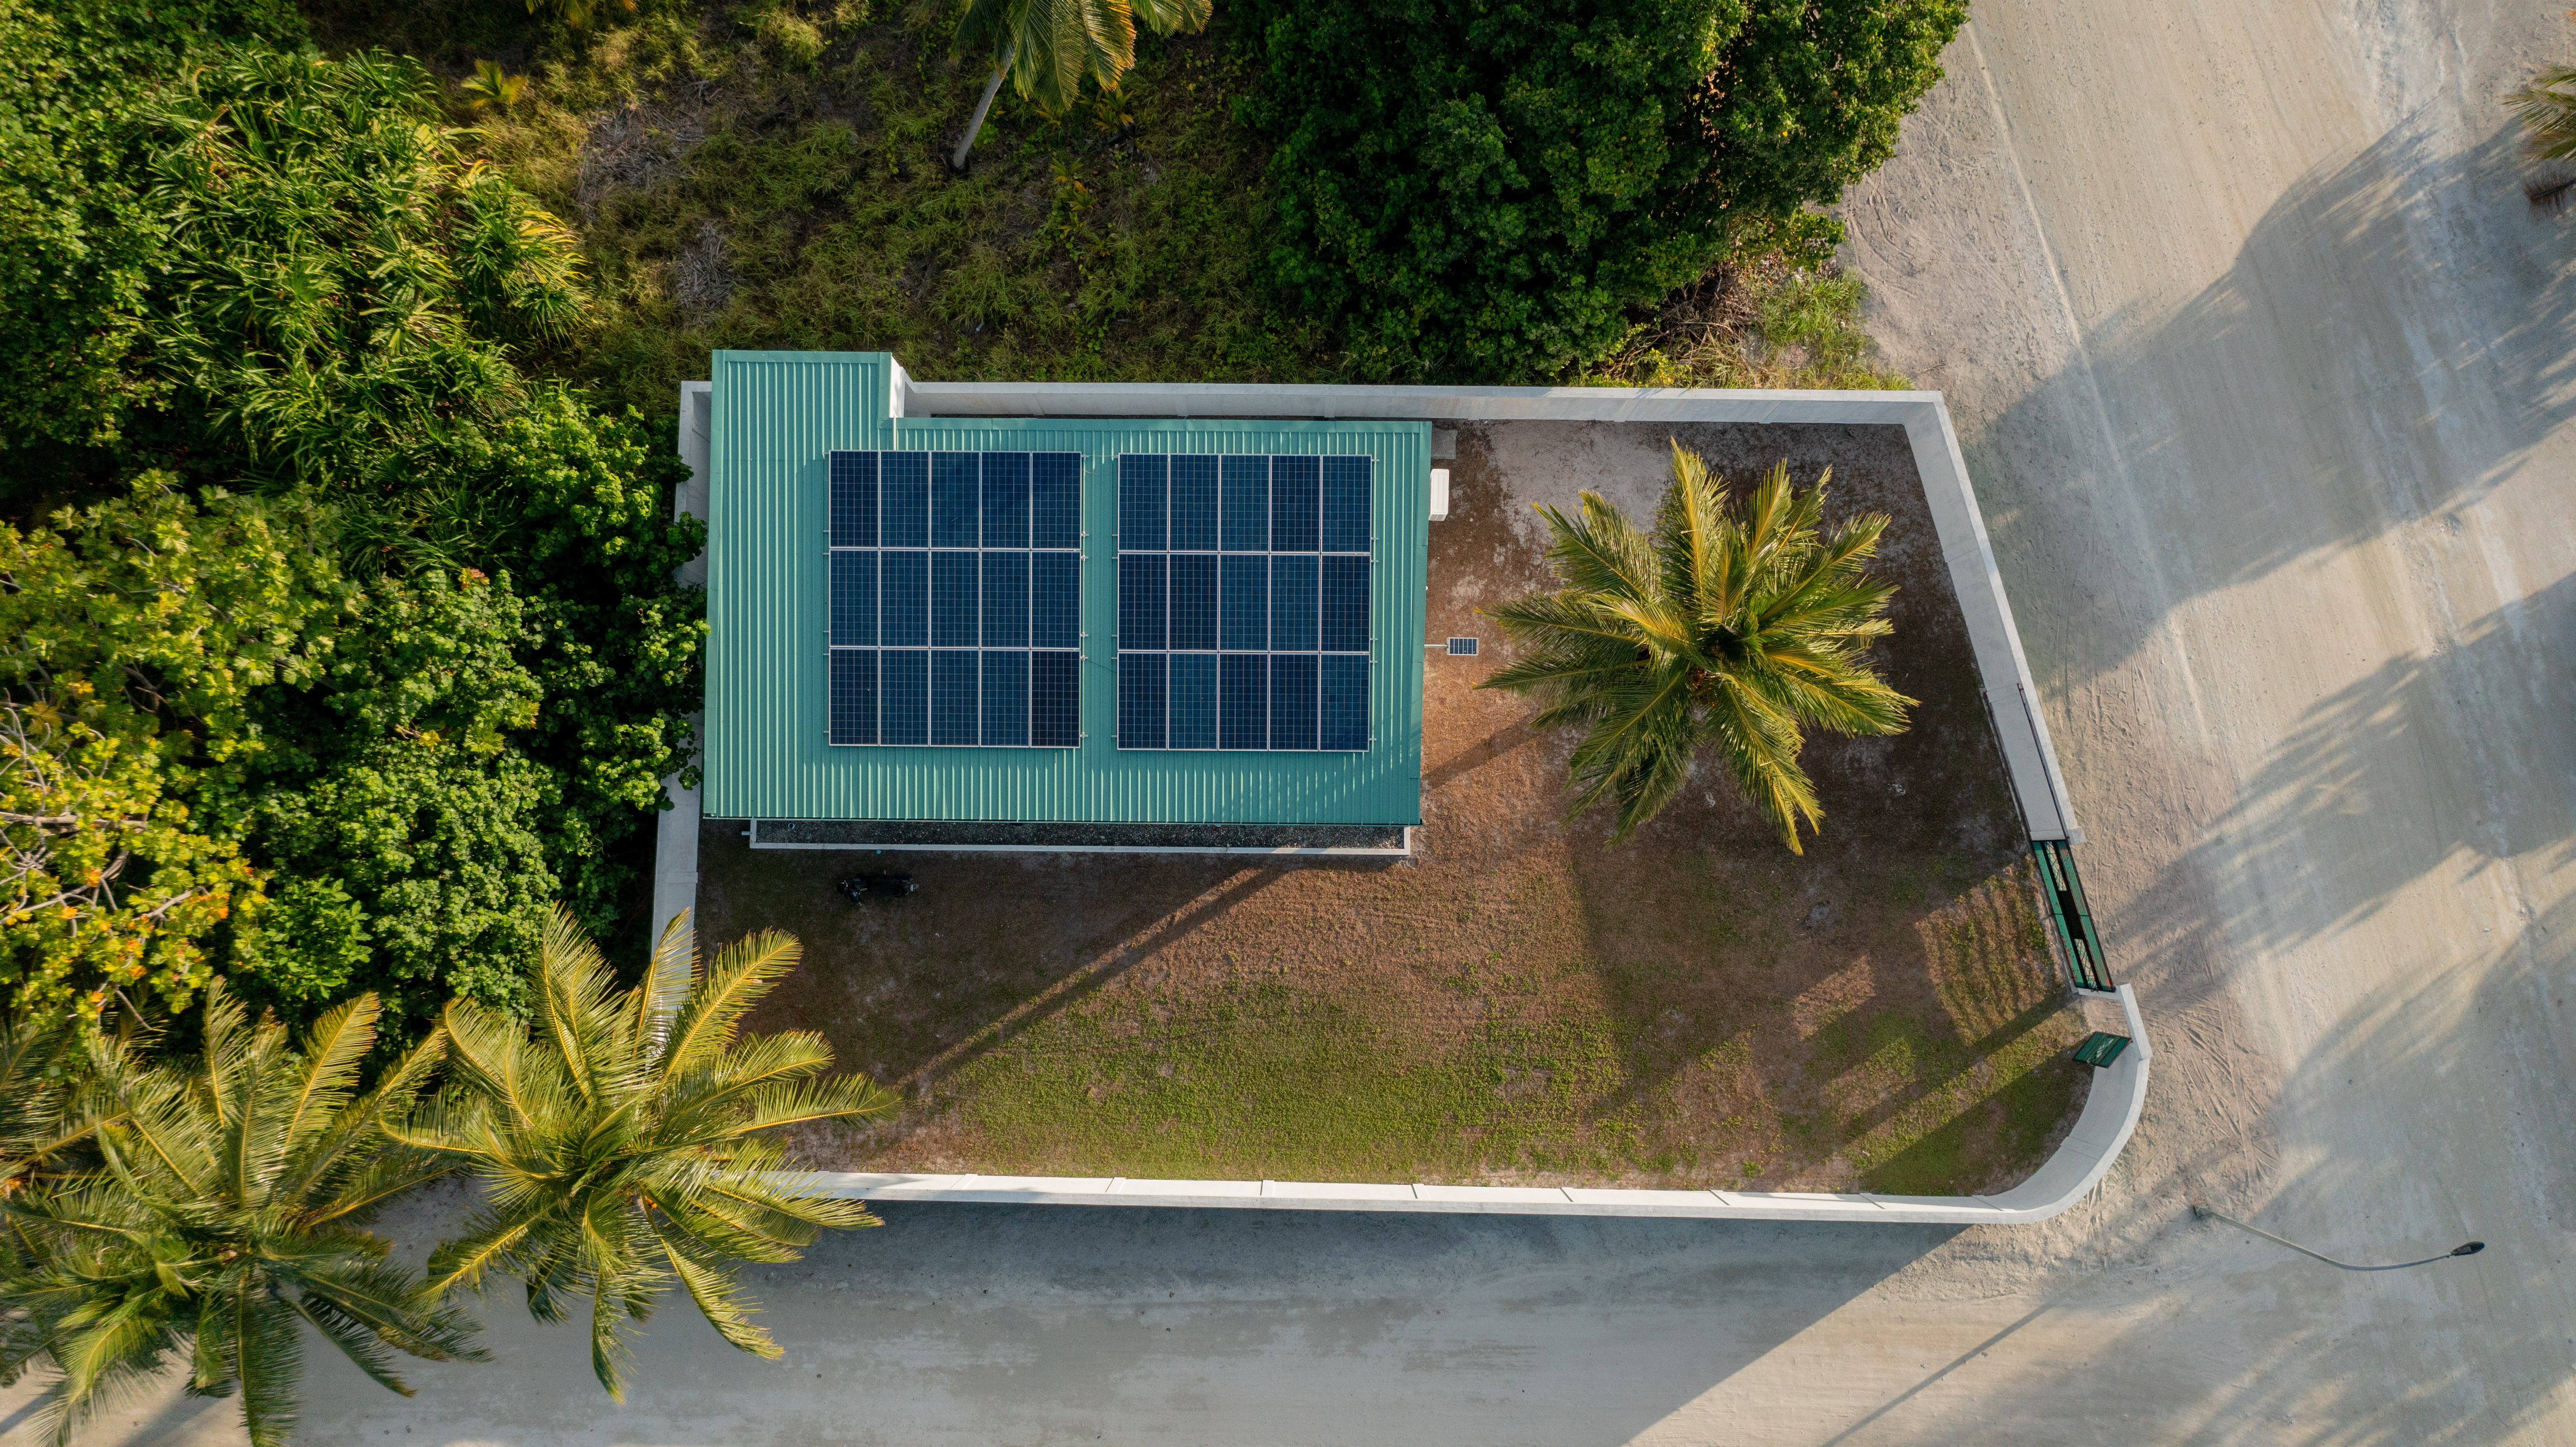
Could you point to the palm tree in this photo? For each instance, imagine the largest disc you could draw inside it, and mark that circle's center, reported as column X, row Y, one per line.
column 1048, row 48
column 1733, row 626
column 626, row 1146
column 222, row 1218
column 492, row 88
column 2547, row 109
column 59, row 1082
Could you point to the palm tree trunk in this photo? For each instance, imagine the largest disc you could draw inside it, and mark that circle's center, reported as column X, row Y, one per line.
column 975, row 123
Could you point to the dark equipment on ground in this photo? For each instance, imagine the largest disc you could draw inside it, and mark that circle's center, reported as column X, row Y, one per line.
column 860, row 886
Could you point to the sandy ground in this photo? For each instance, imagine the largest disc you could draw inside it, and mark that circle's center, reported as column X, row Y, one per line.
column 2261, row 365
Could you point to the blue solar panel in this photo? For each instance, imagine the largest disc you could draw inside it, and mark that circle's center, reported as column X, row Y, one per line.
column 1292, row 700
column 953, row 600
column 1006, row 700
column 1346, row 504
column 954, row 714
column 1055, row 702
column 854, row 696
column 953, row 491
column 854, row 600
column 1055, row 500
column 1345, row 689
column 1193, row 708
column 1293, row 504
column 1345, row 605
column 1243, row 600
column 1140, row 700
column 1292, row 602
column 1006, row 600
column 903, row 696
column 1193, row 504
column 1140, row 601
column 1193, row 605
column 1264, row 560
column 1055, row 600
column 903, row 510
column 1247, row 504
column 1243, row 701
column 1006, row 499
column 854, row 500
column 980, row 589
column 1141, row 484
column 903, row 591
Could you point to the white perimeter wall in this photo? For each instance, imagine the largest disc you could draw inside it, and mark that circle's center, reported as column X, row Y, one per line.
column 2118, row 1093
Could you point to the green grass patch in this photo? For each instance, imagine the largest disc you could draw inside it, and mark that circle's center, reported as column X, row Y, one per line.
column 1275, row 1082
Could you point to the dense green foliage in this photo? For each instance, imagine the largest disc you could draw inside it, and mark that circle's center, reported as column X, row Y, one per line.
column 78, row 241
column 137, row 636
column 1485, row 192
column 1734, row 624
column 624, row 1144
column 222, row 1218
column 765, row 175
column 426, row 675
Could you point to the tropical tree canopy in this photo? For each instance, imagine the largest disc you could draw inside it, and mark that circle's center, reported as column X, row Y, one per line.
column 304, row 580
column 624, row 1144
column 1478, row 191
column 58, row 1085
column 1734, row 624
column 1050, row 48
column 134, row 635
column 222, row 1218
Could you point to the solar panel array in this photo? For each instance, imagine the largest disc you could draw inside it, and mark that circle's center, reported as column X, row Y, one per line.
column 956, row 598
column 1243, row 602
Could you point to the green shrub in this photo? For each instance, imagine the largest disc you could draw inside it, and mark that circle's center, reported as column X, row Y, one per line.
column 78, row 243
column 404, row 786
column 309, row 943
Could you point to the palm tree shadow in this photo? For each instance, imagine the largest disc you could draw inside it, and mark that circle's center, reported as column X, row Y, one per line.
column 2387, row 349
column 2449, row 761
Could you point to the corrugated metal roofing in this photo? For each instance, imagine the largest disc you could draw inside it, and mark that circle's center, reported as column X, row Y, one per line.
column 777, row 416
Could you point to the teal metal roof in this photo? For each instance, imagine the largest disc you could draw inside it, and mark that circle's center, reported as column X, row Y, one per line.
column 776, row 418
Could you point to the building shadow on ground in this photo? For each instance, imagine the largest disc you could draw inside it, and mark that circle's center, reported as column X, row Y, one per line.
column 1033, row 1323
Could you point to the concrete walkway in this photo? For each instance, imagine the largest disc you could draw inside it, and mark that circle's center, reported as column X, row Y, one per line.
column 2262, row 367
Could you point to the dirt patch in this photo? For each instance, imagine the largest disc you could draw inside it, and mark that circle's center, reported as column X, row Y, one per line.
column 1522, row 1003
